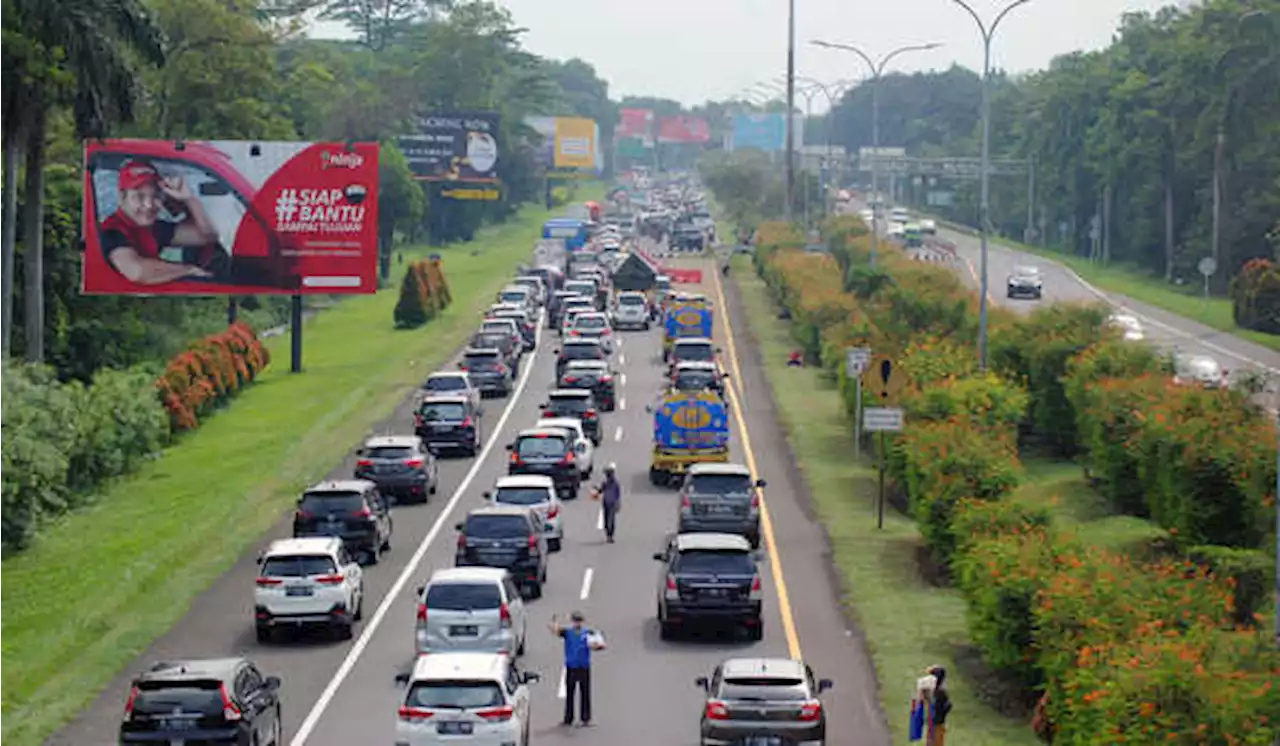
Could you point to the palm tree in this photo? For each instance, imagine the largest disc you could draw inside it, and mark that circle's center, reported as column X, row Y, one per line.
column 61, row 52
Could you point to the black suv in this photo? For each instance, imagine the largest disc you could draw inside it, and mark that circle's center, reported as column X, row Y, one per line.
column 578, row 404
column 226, row 700
column 548, row 452
column 503, row 343
column 578, row 349
column 507, row 537
column 769, row 701
column 400, row 465
column 488, row 371
column 351, row 510
column 709, row 579
column 448, row 423
column 595, row 376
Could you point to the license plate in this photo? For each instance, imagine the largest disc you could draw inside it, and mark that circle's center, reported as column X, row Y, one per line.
column 177, row 724
column 177, row 742
column 762, row 741
column 717, row 592
column 720, row 509
column 463, row 630
column 441, row 428
column 453, row 728
column 299, row 590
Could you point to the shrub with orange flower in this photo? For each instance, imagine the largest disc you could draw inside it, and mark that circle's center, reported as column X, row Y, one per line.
column 423, row 294
column 209, row 373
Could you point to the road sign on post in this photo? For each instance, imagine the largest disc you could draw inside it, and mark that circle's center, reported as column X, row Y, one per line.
column 883, row 378
column 855, row 361
column 1207, row 267
column 882, row 419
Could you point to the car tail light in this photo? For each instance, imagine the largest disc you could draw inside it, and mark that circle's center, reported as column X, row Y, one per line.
column 685, row 502
column 504, row 616
column 570, row 379
column 413, row 714
column 419, row 420
column 463, row 366
column 515, row 459
column 266, row 582
column 414, row 463
column 331, row 579
column 590, row 414
column 717, row 710
column 568, row 459
column 533, row 543
column 302, row 515
column 606, row 379
column 497, row 714
column 755, row 502
column 422, row 612
column 502, row 370
column 462, row 541
column 673, row 591
column 229, row 709
column 757, row 589
column 364, row 462
column 363, row 513
column 468, row 422
column 128, row 705
column 554, row 511
column 811, row 710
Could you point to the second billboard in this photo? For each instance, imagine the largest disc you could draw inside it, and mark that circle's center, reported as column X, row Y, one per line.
column 571, row 145
column 459, row 147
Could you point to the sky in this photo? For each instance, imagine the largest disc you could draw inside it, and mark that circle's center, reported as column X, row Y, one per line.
column 698, row 50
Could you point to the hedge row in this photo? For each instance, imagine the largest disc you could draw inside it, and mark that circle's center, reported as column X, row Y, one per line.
column 1123, row 649
column 62, row 440
column 1255, row 296
column 423, row 294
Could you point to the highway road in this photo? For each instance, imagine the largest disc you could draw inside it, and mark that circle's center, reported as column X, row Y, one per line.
column 344, row 693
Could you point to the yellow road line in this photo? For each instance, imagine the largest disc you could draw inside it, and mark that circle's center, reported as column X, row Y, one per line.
column 974, row 274
column 766, row 522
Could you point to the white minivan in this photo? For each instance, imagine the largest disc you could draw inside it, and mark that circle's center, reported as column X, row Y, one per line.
column 465, row 698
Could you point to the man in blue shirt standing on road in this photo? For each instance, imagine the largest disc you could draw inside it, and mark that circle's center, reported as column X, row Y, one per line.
column 578, row 644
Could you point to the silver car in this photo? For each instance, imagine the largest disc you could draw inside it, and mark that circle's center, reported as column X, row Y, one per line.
column 470, row 609
column 538, row 493
column 631, row 311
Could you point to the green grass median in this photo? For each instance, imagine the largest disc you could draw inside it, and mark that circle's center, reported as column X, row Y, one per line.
column 98, row 588
column 909, row 623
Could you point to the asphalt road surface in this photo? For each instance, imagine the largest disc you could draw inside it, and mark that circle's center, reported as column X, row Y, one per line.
column 344, row 693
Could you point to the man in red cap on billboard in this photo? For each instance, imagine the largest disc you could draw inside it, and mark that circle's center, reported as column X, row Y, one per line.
column 133, row 236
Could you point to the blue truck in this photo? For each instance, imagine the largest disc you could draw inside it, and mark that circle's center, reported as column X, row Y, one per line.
column 689, row 427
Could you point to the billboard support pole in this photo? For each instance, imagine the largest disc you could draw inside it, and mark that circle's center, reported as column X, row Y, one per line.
column 549, row 193
column 295, row 335
column 231, row 310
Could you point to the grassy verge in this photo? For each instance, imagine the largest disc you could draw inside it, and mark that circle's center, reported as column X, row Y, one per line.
column 1187, row 301
column 97, row 589
column 909, row 623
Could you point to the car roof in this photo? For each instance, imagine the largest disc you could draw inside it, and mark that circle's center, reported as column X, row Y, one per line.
column 449, row 374
column 569, row 393
column 392, row 441
column 481, row 351
column 695, row 365
column 694, row 341
column 468, row 665
column 727, row 469
column 593, row 313
column 783, row 668
column 572, row 424
column 588, row 364
column 467, row 574
column 502, row 321
column 711, row 542
column 187, row 670
column 535, row 432
column 635, row 293
column 342, row 485
column 501, row 510
column 446, row 399
column 525, row 480
column 304, row 545
column 514, row 288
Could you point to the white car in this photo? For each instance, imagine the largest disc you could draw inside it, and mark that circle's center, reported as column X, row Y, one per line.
column 538, row 493
column 534, row 283
column 518, row 294
column 1129, row 326
column 631, row 311
column 470, row 609
column 593, row 325
column 1199, row 369
column 583, row 450
column 307, row 582
column 452, row 383
column 928, row 226
column 465, row 698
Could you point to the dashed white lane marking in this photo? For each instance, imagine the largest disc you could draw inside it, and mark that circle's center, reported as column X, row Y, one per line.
column 622, row 360
column 586, row 584
column 622, row 404
column 560, row 689
column 600, row 520
column 617, row 434
column 623, row 379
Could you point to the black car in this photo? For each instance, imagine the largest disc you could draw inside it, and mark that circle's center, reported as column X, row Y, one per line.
column 595, row 376
column 489, row 371
column 687, row 238
column 766, row 701
column 448, row 423
column 552, row 278
column 1026, row 282
column 578, row 404
column 225, row 700
column 527, row 327
column 506, row 537
column 578, row 349
column 711, row 580
column 549, row 452
column 695, row 375
column 351, row 510
column 401, row 466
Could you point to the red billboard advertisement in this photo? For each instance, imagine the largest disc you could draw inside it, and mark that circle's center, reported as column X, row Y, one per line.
column 635, row 123
column 164, row 217
column 684, row 129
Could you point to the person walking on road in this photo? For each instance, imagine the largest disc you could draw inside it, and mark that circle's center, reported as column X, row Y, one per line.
column 579, row 641
column 610, row 492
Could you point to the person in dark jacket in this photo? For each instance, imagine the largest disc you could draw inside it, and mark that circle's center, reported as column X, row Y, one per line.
column 610, row 500
column 940, row 709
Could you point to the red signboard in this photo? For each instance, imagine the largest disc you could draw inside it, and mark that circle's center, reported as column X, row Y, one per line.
column 635, row 123
column 229, row 217
column 683, row 276
column 684, row 129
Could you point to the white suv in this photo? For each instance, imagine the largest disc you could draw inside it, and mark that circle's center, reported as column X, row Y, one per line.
column 470, row 609
column 538, row 493
column 455, row 698
column 631, row 311
column 310, row 581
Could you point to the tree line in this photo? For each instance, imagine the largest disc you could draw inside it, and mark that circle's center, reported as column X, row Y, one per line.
column 208, row 69
column 1141, row 134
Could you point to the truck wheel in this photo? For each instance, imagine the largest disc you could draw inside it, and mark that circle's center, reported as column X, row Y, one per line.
column 655, row 477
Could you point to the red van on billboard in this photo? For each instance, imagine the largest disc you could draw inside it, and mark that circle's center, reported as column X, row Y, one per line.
column 165, row 217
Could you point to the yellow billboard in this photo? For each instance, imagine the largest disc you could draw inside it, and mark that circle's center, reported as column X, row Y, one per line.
column 575, row 143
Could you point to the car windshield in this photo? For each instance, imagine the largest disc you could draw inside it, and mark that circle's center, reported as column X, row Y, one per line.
column 446, row 383
column 322, row 503
column 1026, row 271
column 454, row 695
column 463, row 596
column 763, row 689
column 631, row 300
column 521, row 495
column 297, row 566
column 585, row 321
column 721, row 484
column 700, row 352
column 169, row 698
column 581, row 352
column 581, row 287
column 694, row 380
column 480, row 362
column 442, row 411
column 585, row 368
column 513, row 296
column 490, row 340
column 541, row 447
column 713, row 562
column 569, row 404
column 497, row 327
column 497, row 526
column 394, row 453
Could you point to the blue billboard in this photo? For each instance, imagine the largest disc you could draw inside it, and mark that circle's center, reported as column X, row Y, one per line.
column 767, row 132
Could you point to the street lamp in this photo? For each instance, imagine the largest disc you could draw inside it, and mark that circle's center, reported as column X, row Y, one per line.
column 984, row 215
column 791, row 104
column 877, row 69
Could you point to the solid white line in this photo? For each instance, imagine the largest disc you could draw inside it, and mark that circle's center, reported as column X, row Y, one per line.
column 622, row 403
column 617, row 434
column 600, row 520
column 560, row 689
column 586, row 584
column 389, row 600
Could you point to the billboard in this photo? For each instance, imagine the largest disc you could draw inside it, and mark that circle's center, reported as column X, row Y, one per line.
column 684, row 129
column 767, row 132
column 570, row 144
column 162, row 217
column 635, row 123
column 460, row 147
